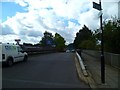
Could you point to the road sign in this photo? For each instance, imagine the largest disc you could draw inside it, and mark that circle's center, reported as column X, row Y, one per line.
column 96, row 6
column 100, row 13
column 49, row 42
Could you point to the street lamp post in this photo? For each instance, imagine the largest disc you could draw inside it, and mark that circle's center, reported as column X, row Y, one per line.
column 102, row 49
column 99, row 7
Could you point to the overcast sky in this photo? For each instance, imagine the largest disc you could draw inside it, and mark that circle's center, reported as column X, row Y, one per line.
column 29, row 19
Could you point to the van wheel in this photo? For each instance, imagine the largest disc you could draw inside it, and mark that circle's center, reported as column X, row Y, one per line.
column 25, row 58
column 9, row 62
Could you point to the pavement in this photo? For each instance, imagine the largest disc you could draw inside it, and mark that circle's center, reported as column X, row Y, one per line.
column 93, row 67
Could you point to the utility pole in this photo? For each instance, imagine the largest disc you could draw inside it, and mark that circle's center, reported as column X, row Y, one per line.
column 102, row 49
column 99, row 7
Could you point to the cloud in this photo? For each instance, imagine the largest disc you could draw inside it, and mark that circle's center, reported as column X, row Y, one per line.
column 8, row 38
column 22, row 3
column 110, row 9
column 90, row 19
column 28, row 39
column 30, row 33
column 6, row 30
column 65, row 17
column 24, row 39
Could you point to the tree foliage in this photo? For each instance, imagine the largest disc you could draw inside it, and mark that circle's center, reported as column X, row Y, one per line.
column 84, row 35
column 59, row 42
column 87, row 44
column 47, row 39
column 111, row 36
column 70, row 46
column 86, row 39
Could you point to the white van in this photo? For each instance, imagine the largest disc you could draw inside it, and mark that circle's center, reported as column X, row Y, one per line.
column 11, row 53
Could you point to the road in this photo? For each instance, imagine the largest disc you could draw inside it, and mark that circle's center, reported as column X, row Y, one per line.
column 55, row 70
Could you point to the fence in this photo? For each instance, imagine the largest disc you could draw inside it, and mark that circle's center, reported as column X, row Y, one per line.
column 38, row 50
column 110, row 58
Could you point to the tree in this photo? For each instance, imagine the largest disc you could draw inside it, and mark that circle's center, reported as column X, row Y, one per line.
column 111, row 36
column 59, row 42
column 83, row 35
column 47, row 39
column 87, row 44
column 70, row 46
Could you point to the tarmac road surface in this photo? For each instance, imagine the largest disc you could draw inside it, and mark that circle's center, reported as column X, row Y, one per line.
column 54, row 70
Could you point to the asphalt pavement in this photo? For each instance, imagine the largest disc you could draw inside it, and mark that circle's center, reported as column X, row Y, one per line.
column 55, row 70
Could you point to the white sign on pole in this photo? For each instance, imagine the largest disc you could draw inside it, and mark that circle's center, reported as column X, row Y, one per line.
column 100, row 13
column 119, row 10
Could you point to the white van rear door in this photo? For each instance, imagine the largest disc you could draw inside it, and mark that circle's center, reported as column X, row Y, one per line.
column 20, row 54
